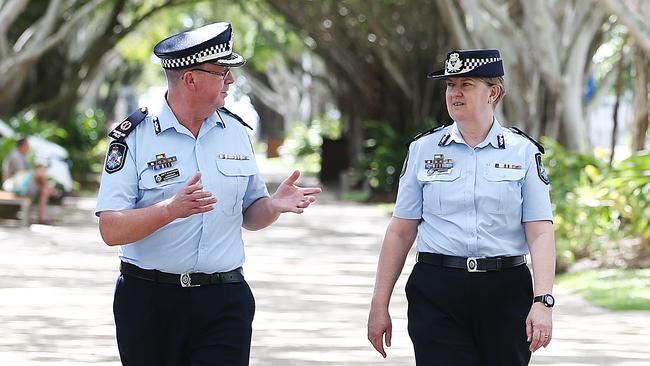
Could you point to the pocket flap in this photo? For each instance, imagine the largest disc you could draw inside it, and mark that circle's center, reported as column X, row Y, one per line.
column 234, row 168
column 493, row 174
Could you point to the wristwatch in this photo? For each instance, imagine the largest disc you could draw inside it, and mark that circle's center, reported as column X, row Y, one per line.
column 548, row 300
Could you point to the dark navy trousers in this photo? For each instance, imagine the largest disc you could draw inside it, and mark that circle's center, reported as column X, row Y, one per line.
column 469, row 319
column 168, row 325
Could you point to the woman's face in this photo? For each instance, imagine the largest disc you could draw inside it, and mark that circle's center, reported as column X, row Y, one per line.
column 468, row 99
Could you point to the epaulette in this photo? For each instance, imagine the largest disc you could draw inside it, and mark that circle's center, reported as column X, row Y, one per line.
column 422, row 134
column 122, row 130
column 236, row 117
column 522, row 133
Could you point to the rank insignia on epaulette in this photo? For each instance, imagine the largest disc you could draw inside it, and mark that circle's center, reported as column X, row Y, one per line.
column 162, row 162
column 168, row 175
column 115, row 157
column 444, row 139
column 156, row 125
column 501, row 141
column 128, row 125
column 233, row 157
column 439, row 165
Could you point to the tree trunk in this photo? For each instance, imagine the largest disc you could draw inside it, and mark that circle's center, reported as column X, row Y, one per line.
column 641, row 88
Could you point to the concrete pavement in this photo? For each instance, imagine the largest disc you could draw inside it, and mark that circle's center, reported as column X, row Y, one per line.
column 312, row 276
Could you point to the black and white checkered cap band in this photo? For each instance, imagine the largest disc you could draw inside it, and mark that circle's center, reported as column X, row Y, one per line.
column 471, row 63
column 211, row 53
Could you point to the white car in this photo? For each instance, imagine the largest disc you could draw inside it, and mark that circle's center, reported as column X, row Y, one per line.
column 54, row 156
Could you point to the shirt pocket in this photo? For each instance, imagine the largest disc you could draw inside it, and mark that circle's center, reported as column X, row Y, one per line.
column 503, row 193
column 234, row 178
column 152, row 192
column 440, row 191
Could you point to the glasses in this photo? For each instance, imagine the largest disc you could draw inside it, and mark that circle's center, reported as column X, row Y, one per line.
column 223, row 75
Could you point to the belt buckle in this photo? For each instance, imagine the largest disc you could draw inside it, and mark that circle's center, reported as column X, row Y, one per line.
column 472, row 264
column 186, row 280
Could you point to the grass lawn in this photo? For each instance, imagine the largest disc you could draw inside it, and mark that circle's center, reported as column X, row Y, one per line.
column 614, row 289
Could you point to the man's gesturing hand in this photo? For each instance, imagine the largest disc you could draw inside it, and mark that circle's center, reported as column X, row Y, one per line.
column 291, row 198
column 190, row 199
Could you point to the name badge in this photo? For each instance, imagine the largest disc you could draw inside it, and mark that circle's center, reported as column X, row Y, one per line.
column 507, row 166
column 168, row 175
column 233, row 157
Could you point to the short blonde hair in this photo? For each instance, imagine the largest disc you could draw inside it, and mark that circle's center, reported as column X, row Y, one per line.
column 496, row 81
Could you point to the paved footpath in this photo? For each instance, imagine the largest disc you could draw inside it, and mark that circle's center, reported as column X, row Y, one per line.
column 312, row 276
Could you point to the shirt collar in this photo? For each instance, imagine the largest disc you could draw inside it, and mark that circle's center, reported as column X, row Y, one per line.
column 492, row 137
column 167, row 118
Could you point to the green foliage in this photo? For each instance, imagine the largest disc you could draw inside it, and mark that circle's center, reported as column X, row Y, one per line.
column 614, row 289
column 595, row 206
column 303, row 144
column 86, row 143
column 385, row 152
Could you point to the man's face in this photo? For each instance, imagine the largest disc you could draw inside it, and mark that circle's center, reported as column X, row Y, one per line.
column 213, row 82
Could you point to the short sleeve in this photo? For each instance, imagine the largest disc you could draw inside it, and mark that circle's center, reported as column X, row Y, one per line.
column 255, row 190
column 409, row 193
column 118, row 189
column 535, row 189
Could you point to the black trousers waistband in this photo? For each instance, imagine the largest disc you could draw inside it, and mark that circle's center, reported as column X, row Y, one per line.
column 472, row 264
column 183, row 279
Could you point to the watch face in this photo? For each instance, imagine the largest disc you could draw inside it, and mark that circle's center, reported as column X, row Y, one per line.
column 549, row 300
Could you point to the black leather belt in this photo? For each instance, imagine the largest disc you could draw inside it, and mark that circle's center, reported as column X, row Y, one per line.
column 472, row 264
column 183, row 279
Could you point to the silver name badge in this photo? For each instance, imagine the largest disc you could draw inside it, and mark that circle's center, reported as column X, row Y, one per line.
column 233, row 157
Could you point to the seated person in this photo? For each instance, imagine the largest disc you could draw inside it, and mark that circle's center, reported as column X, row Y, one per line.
column 26, row 180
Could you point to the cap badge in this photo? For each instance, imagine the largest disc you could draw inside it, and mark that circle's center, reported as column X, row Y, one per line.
column 454, row 64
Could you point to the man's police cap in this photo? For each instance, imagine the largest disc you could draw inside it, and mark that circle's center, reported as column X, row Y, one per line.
column 211, row 43
column 471, row 63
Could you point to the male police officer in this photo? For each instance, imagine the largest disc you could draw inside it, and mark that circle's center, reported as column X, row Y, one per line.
column 178, row 185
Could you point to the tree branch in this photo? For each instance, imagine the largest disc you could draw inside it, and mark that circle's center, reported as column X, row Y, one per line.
column 9, row 12
column 636, row 20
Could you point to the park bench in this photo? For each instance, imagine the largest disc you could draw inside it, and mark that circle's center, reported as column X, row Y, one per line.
column 13, row 206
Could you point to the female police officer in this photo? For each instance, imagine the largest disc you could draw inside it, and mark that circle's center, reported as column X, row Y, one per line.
column 477, row 197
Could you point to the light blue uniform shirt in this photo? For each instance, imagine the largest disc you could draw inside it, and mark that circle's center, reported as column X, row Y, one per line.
column 478, row 205
column 222, row 152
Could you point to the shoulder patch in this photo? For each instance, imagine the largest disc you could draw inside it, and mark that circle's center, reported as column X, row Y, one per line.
column 122, row 130
column 422, row 134
column 223, row 109
column 541, row 172
column 115, row 157
column 521, row 133
column 406, row 160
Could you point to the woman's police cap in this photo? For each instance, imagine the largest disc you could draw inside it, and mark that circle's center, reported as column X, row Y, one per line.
column 471, row 63
column 211, row 43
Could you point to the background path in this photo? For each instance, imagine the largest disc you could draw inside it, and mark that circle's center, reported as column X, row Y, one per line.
column 312, row 276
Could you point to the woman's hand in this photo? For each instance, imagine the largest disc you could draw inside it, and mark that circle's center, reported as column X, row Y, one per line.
column 539, row 326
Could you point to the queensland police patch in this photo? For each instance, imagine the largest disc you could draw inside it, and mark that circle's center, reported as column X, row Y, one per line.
column 115, row 157
column 540, row 168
